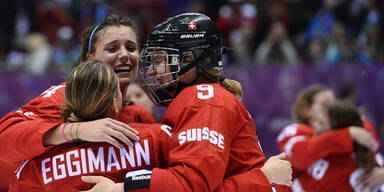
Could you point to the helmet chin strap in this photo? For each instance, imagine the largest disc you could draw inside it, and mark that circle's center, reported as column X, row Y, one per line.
column 196, row 63
column 181, row 85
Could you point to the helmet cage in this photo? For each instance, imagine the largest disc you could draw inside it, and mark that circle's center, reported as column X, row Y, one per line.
column 158, row 69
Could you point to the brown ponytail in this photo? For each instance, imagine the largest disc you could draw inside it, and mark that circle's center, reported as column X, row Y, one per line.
column 343, row 114
column 213, row 75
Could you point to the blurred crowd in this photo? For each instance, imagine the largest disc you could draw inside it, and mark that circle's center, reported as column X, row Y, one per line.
column 43, row 35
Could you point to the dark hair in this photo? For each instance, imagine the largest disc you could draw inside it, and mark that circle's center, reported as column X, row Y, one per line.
column 305, row 100
column 111, row 19
column 342, row 114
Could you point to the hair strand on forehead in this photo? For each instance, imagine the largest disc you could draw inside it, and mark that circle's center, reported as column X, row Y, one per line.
column 91, row 34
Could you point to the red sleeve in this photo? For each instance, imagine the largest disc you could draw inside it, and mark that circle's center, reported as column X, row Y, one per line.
column 247, row 182
column 207, row 136
column 165, row 136
column 21, row 132
column 303, row 148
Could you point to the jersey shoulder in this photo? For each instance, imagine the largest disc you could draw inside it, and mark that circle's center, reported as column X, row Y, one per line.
column 146, row 129
column 295, row 129
column 135, row 114
column 53, row 94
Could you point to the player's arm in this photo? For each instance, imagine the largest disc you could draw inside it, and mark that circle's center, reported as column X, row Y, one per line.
column 369, row 126
column 23, row 139
column 22, row 132
column 32, row 129
column 276, row 170
column 303, row 148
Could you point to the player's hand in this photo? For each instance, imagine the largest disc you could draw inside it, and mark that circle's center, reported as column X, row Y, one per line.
column 373, row 179
column 107, row 130
column 278, row 170
column 103, row 184
column 363, row 137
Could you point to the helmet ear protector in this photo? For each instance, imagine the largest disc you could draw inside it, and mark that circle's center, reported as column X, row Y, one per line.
column 185, row 41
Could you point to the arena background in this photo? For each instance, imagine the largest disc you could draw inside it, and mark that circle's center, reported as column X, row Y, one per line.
column 277, row 47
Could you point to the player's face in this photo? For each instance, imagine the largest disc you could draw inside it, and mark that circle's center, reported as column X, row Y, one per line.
column 318, row 102
column 136, row 94
column 321, row 123
column 117, row 46
column 321, row 98
column 159, row 68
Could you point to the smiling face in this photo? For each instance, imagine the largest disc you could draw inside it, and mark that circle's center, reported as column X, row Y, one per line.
column 316, row 110
column 160, row 69
column 117, row 46
column 319, row 100
column 321, row 122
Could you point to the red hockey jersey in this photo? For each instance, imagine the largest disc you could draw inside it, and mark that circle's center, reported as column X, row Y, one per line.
column 214, row 138
column 323, row 162
column 21, row 132
column 336, row 173
column 61, row 168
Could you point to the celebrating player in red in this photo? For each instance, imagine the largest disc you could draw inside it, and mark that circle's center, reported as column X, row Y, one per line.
column 298, row 140
column 30, row 131
column 92, row 92
column 34, row 128
column 214, row 137
column 337, row 172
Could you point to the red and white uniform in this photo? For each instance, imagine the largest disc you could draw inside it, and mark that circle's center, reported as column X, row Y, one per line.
column 213, row 139
column 323, row 162
column 21, row 132
column 61, row 168
column 26, row 126
column 336, row 173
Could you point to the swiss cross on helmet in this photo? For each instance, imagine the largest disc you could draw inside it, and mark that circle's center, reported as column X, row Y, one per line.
column 181, row 43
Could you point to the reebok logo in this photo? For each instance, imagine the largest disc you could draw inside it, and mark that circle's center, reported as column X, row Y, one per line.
column 141, row 177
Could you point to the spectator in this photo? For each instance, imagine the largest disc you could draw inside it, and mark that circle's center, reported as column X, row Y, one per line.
column 339, row 48
column 38, row 56
column 323, row 21
column 370, row 45
column 234, row 16
column 65, row 51
column 276, row 48
column 316, row 52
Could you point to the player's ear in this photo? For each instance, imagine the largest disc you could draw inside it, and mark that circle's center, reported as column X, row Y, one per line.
column 89, row 56
column 307, row 113
column 113, row 110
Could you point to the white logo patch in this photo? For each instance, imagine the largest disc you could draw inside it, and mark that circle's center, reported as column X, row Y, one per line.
column 191, row 36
